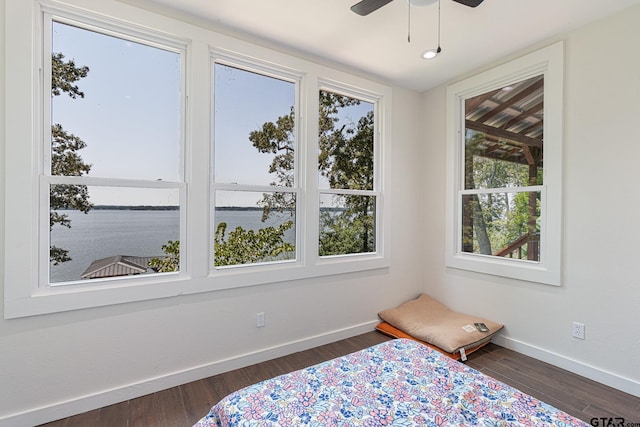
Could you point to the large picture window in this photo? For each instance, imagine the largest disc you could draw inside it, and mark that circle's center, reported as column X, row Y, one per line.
column 505, row 151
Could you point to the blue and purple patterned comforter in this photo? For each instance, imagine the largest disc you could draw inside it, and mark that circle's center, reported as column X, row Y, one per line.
column 396, row 383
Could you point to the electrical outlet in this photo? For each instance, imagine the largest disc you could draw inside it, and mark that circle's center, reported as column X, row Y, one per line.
column 260, row 319
column 578, row 330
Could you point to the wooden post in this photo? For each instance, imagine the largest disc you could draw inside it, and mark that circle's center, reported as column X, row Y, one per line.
column 533, row 246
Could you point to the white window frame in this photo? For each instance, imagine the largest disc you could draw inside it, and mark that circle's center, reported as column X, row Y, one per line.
column 281, row 73
column 24, row 159
column 147, row 38
column 308, row 263
column 339, row 89
column 549, row 63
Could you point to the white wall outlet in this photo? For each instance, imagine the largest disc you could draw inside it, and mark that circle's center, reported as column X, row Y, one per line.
column 578, row 330
column 260, row 319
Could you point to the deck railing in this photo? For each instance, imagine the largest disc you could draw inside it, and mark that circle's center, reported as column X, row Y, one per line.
column 516, row 247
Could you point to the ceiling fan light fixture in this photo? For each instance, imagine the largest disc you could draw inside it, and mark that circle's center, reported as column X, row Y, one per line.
column 431, row 53
column 365, row 7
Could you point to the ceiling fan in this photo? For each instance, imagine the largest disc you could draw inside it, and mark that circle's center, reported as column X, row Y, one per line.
column 365, row 7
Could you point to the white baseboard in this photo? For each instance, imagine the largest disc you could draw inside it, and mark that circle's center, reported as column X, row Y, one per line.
column 67, row 408
column 604, row 377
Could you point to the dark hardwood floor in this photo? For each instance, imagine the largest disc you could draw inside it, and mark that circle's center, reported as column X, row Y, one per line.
column 185, row 405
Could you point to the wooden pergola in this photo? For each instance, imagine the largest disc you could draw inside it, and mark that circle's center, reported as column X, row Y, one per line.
column 511, row 120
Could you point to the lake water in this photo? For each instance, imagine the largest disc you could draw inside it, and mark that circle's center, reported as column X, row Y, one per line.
column 104, row 233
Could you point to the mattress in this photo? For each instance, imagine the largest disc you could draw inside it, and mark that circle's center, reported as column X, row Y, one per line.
column 397, row 383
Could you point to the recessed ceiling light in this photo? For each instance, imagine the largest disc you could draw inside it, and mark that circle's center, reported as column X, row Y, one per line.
column 431, row 53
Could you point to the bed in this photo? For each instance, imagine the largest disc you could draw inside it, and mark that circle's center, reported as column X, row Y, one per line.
column 397, row 383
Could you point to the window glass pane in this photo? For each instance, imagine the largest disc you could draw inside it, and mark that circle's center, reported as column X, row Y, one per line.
column 346, row 157
column 118, row 99
column 254, row 128
column 123, row 230
column 504, row 136
column 246, row 233
column 347, row 224
column 502, row 224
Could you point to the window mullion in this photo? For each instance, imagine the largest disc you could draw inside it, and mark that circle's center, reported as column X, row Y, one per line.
column 111, row 182
column 258, row 188
column 346, row 191
column 309, row 153
column 503, row 190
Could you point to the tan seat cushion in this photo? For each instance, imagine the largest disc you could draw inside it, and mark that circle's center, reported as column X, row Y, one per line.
column 431, row 321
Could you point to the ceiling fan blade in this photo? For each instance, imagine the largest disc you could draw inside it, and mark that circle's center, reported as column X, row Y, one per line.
column 365, row 7
column 470, row 3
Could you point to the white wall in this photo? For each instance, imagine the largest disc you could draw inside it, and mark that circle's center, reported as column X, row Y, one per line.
column 52, row 366
column 601, row 231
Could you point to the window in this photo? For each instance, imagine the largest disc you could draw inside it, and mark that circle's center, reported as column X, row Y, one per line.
column 346, row 164
column 182, row 160
column 255, row 180
column 503, row 171
column 505, row 129
column 257, row 168
column 112, row 170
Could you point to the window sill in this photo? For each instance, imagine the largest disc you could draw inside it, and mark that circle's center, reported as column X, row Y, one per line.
column 94, row 294
column 529, row 271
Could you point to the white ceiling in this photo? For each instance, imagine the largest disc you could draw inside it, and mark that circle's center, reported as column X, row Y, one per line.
column 377, row 44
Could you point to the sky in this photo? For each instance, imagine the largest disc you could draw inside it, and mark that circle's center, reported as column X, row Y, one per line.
column 130, row 117
column 243, row 102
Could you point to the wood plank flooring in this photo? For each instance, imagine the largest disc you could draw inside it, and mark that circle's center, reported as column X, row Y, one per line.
column 184, row 405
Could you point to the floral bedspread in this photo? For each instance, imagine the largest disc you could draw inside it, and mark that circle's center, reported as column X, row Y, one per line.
column 396, row 383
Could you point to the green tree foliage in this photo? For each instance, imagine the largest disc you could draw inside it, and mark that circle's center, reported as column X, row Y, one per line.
column 239, row 246
column 64, row 75
column 171, row 259
column 65, row 159
column 495, row 220
column 345, row 233
column 278, row 138
column 242, row 246
column 345, row 158
column 333, row 139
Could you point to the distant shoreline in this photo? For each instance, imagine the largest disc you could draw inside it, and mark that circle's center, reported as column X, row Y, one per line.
column 134, row 208
column 177, row 208
column 165, row 208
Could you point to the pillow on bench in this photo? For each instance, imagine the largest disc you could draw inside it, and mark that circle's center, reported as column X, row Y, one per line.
column 428, row 320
